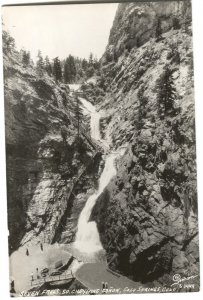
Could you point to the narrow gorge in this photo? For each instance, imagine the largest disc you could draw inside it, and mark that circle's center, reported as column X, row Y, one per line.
column 104, row 169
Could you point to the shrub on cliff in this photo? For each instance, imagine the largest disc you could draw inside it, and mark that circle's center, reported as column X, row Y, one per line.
column 8, row 42
column 25, row 57
column 166, row 94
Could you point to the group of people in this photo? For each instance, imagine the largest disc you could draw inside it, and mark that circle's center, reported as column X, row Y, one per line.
column 37, row 275
column 37, row 270
column 104, row 285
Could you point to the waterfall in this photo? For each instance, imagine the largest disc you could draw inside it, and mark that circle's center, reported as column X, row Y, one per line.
column 87, row 237
column 95, row 119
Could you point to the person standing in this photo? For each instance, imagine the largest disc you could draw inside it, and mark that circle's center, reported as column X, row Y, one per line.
column 27, row 252
column 12, row 290
column 103, row 287
column 41, row 246
column 37, row 271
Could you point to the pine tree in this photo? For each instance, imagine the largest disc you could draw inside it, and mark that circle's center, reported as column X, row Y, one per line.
column 57, row 72
column 25, row 57
column 96, row 64
column 67, row 74
column 40, row 63
column 84, row 64
column 48, row 67
column 176, row 23
column 158, row 32
column 90, row 71
column 91, row 59
column 101, row 82
column 8, row 42
column 28, row 60
column 166, row 94
column 70, row 70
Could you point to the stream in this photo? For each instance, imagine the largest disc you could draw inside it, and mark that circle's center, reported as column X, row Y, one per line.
column 87, row 240
column 87, row 246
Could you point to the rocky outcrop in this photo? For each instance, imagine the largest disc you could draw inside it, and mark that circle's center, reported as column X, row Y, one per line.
column 147, row 217
column 46, row 163
column 136, row 23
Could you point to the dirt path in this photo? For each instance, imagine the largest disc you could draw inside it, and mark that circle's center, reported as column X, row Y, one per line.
column 22, row 265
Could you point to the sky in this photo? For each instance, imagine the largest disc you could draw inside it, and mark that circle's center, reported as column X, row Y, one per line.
column 60, row 30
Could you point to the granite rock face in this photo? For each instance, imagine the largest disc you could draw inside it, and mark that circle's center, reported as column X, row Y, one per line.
column 147, row 216
column 136, row 23
column 46, row 164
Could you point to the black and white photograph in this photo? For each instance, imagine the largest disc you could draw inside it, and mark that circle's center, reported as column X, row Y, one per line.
column 100, row 148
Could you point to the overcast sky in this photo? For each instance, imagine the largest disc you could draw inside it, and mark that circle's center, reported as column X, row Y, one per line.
column 60, row 30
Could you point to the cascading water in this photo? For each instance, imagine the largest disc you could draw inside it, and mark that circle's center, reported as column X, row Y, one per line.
column 87, row 237
column 94, row 121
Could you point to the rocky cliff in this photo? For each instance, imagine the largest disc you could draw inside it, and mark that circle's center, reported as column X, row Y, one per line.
column 147, row 216
column 47, row 166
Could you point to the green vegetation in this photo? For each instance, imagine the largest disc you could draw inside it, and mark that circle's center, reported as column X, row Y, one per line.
column 158, row 31
column 70, row 70
column 8, row 42
column 166, row 94
column 40, row 63
column 57, row 71
column 25, row 57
